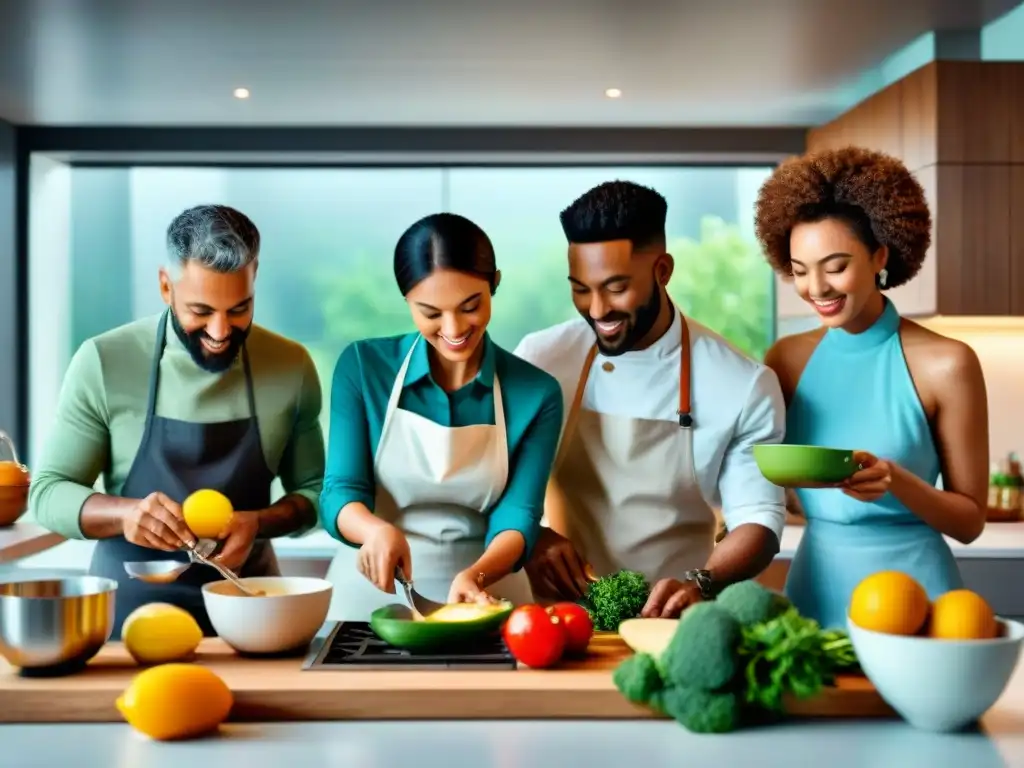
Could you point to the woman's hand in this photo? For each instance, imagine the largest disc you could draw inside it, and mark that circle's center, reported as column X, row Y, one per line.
column 872, row 481
column 384, row 550
column 466, row 589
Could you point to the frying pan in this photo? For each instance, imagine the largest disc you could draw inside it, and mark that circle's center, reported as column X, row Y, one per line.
column 396, row 625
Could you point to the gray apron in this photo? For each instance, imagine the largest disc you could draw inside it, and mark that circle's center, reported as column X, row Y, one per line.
column 177, row 458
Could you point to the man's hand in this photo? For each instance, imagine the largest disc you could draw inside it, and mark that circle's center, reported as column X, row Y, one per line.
column 156, row 522
column 669, row 598
column 238, row 539
column 557, row 568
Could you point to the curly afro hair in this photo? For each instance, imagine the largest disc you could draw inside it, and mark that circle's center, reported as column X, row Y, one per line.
column 872, row 192
column 617, row 210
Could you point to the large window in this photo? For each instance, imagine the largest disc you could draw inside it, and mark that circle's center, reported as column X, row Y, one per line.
column 328, row 236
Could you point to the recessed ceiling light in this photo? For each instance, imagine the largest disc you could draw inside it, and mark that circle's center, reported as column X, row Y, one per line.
column 241, row 93
column 613, row 93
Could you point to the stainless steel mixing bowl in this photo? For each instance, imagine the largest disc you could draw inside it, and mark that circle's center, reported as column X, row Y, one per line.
column 54, row 626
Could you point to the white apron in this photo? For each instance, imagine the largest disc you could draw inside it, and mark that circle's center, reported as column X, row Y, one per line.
column 625, row 492
column 436, row 484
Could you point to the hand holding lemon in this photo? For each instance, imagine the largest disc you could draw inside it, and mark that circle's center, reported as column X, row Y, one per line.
column 208, row 513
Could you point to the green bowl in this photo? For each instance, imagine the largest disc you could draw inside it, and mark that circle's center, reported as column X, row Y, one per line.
column 395, row 625
column 804, row 466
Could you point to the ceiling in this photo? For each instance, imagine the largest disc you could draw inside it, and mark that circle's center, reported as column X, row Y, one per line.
column 451, row 62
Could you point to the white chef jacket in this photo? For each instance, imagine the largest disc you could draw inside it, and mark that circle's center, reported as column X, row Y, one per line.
column 737, row 403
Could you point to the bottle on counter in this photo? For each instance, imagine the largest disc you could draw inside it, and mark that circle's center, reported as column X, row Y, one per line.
column 996, row 481
column 1006, row 491
column 1012, row 496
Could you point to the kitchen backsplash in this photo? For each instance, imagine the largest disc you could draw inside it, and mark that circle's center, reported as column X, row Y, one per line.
column 999, row 344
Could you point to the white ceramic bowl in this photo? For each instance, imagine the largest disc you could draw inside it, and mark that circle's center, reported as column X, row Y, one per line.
column 938, row 685
column 286, row 619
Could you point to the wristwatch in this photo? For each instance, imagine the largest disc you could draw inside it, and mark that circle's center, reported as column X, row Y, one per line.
column 702, row 578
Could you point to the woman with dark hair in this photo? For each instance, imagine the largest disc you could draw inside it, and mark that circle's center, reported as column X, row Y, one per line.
column 846, row 226
column 441, row 441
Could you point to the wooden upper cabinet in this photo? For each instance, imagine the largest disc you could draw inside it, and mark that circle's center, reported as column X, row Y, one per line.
column 959, row 126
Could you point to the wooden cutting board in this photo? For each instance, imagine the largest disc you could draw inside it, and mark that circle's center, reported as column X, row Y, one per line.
column 279, row 689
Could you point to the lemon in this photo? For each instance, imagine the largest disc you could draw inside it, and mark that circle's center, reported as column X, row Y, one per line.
column 962, row 615
column 175, row 701
column 207, row 513
column 158, row 632
column 890, row 602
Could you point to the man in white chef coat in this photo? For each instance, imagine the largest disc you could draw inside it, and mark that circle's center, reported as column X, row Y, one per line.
column 661, row 414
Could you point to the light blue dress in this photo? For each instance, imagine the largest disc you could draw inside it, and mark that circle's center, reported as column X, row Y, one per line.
column 856, row 392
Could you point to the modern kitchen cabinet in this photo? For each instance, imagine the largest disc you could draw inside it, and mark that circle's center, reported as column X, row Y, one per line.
column 959, row 126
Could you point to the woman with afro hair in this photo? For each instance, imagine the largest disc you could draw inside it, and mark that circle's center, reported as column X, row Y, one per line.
column 846, row 226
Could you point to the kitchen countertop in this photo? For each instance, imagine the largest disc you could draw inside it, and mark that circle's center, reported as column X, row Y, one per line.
column 875, row 743
column 27, row 540
column 24, row 540
column 519, row 744
column 997, row 540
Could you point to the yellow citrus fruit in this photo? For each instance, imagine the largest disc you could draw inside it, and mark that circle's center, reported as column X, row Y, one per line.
column 158, row 632
column 175, row 701
column 962, row 615
column 207, row 513
column 890, row 602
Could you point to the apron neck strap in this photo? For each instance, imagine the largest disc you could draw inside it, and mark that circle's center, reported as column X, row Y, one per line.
column 685, row 397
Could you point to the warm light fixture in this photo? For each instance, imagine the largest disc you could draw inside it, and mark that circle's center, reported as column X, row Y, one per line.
column 241, row 93
column 613, row 93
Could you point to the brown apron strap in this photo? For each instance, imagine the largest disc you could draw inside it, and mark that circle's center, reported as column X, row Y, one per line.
column 685, row 401
column 685, row 404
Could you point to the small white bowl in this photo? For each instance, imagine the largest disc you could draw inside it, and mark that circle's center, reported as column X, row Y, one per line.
column 286, row 619
column 938, row 685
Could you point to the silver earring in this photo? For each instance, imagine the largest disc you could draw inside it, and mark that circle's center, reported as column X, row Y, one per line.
column 883, row 275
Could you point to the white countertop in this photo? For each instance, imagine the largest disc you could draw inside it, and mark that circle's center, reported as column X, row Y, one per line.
column 998, row 540
column 27, row 540
column 521, row 744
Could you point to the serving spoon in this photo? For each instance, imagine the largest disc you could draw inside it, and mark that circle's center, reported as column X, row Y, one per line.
column 166, row 571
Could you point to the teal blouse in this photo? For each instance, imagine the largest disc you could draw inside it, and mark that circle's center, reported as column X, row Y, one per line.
column 363, row 379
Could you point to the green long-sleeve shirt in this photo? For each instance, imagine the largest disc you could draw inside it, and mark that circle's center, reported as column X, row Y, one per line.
column 101, row 414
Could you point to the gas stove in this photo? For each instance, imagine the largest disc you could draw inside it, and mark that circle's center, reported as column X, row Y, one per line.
column 353, row 645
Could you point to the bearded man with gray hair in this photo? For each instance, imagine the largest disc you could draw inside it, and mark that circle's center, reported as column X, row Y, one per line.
column 195, row 398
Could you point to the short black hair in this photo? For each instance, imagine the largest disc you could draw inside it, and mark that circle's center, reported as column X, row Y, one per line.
column 617, row 210
column 443, row 241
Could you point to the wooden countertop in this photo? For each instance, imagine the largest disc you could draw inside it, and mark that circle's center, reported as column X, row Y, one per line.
column 280, row 690
column 24, row 540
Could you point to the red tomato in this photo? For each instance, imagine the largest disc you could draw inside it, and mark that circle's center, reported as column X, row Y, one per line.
column 534, row 636
column 576, row 625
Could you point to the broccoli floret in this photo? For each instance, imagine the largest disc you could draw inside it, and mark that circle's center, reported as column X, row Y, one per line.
column 700, row 711
column 638, row 678
column 613, row 599
column 752, row 603
column 703, row 651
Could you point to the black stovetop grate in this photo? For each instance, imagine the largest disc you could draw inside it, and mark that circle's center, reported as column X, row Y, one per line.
column 354, row 645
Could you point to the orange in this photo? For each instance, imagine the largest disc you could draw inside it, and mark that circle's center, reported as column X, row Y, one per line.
column 12, row 473
column 962, row 615
column 890, row 602
column 207, row 513
column 175, row 701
